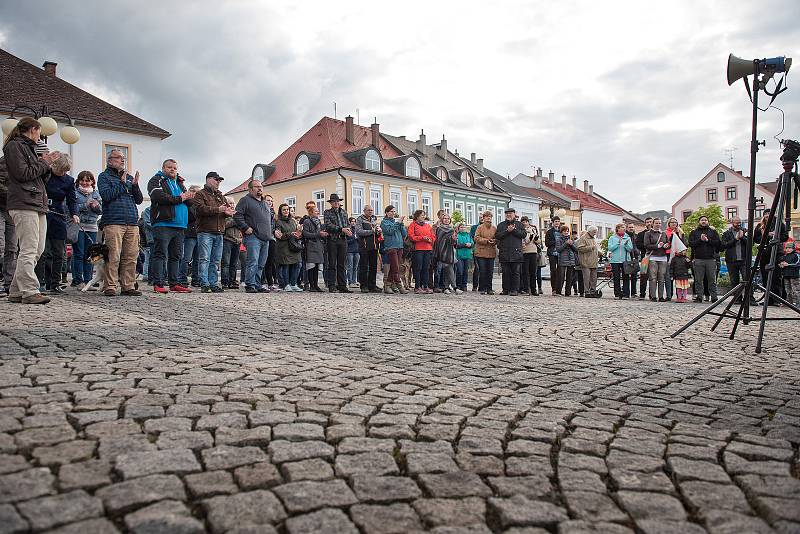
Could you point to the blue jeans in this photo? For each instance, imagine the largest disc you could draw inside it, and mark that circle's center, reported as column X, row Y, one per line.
column 189, row 256
column 288, row 274
column 230, row 261
column 257, row 252
column 209, row 258
column 167, row 255
column 421, row 262
column 81, row 266
column 352, row 267
column 462, row 272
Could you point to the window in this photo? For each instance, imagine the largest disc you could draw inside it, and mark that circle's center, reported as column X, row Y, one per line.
column 291, row 201
column 732, row 212
column 302, row 164
column 466, row 179
column 471, row 214
column 358, row 199
column 376, row 198
column 759, row 212
column 319, row 199
column 427, row 203
column 481, row 209
column 501, row 215
column 372, row 160
column 412, row 168
column 720, row 176
column 396, row 200
column 460, row 207
column 730, row 193
column 413, row 202
column 441, row 174
column 686, row 214
column 447, row 205
column 124, row 149
column 711, row 194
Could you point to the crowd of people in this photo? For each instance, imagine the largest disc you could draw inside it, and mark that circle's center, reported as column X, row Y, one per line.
column 195, row 236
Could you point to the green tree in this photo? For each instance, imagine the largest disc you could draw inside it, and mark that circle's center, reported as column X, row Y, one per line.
column 604, row 245
column 715, row 219
column 457, row 217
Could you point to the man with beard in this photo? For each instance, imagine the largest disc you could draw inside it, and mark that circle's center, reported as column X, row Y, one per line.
column 705, row 244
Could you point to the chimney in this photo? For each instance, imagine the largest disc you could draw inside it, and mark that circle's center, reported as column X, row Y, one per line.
column 376, row 134
column 538, row 179
column 591, row 189
column 472, row 158
column 574, row 183
column 480, row 164
column 586, row 186
column 551, row 177
column 539, row 172
column 421, row 145
column 349, row 130
column 50, row 68
column 564, row 181
column 443, row 148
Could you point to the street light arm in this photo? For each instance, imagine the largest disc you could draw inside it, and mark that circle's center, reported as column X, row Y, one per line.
column 33, row 111
column 64, row 113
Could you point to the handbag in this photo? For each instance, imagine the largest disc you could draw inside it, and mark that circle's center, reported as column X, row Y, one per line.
column 73, row 231
column 631, row 265
column 295, row 244
column 644, row 264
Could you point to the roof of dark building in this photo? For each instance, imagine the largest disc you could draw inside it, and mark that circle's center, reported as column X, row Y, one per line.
column 25, row 84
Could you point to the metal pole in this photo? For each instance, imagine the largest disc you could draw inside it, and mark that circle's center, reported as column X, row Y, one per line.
column 751, row 207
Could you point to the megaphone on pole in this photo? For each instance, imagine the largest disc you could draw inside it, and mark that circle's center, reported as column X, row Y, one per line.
column 739, row 68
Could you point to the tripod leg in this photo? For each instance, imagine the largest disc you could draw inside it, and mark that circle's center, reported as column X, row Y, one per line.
column 702, row 314
column 733, row 293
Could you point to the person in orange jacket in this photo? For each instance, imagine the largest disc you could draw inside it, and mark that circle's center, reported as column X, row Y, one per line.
column 421, row 234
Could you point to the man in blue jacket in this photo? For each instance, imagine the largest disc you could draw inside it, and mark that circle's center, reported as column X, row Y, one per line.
column 120, row 193
column 169, row 216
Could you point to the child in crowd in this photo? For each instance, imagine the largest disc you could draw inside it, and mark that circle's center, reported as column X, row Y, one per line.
column 679, row 271
column 790, row 264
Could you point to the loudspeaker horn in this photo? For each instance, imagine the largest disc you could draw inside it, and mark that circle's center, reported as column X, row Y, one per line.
column 738, row 68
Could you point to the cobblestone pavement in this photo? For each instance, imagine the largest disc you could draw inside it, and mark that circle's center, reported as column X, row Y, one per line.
column 300, row 413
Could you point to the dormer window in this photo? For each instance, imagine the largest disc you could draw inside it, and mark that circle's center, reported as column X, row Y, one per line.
column 302, row 164
column 412, row 168
column 466, row 178
column 372, row 160
column 487, row 183
column 441, row 174
column 720, row 176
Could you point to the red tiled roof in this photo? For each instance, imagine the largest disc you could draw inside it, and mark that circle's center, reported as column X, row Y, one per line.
column 26, row 84
column 588, row 202
column 327, row 138
column 546, row 196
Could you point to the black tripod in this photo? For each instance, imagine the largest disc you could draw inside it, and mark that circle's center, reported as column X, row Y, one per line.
column 743, row 292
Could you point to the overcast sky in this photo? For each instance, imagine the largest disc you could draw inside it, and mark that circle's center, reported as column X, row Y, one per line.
column 629, row 95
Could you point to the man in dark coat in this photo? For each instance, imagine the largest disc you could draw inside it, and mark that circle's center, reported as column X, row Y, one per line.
column 552, row 254
column 509, row 237
column 638, row 244
column 338, row 229
column 706, row 244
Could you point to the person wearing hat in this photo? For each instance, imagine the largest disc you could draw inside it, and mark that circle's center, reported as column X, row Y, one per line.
column 211, row 209
column 509, row 236
column 335, row 221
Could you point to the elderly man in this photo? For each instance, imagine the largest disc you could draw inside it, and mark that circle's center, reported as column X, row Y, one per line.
column 550, row 238
column 368, row 233
column 120, row 193
column 169, row 217
column 211, row 209
column 509, row 237
column 588, row 260
column 705, row 243
column 254, row 217
column 335, row 222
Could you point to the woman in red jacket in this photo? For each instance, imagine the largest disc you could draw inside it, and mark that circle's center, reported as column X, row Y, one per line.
column 421, row 234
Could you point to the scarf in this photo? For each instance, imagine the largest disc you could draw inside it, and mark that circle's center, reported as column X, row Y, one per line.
column 86, row 190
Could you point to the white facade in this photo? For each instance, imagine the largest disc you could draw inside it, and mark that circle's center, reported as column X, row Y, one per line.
column 605, row 222
column 526, row 206
column 726, row 188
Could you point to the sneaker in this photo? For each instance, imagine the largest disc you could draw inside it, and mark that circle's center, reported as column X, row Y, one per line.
column 37, row 298
column 641, row 297
column 490, row 292
column 203, row 289
column 458, row 291
column 195, row 284
column 419, row 291
column 513, row 294
column 130, row 293
column 264, row 289
column 15, row 300
column 217, row 289
column 344, row 289
column 288, row 288
column 483, row 292
column 474, row 289
column 108, row 292
column 333, row 290
column 446, row 291
column 402, row 290
column 178, row 288
column 233, row 285
column 525, row 293
column 159, row 289
column 268, row 289
column 295, row 288
column 249, row 289
column 95, row 287
column 57, row 290
column 274, row 287
column 387, row 289
column 429, row 291
column 437, row 290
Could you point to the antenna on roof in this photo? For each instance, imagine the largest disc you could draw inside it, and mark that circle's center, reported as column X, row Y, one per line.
column 358, row 116
column 334, row 110
column 729, row 151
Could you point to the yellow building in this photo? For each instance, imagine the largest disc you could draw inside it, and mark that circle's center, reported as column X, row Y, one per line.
column 352, row 161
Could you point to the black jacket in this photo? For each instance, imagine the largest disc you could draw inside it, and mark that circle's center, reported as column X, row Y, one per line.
column 783, row 237
column 735, row 249
column 162, row 201
column 550, row 240
column 334, row 220
column 509, row 236
column 679, row 267
column 637, row 252
column 705, row 250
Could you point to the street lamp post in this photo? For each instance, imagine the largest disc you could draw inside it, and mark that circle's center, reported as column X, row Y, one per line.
column 69, row 134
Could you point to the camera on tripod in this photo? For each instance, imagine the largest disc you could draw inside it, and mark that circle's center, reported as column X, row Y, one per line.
column 791, row 150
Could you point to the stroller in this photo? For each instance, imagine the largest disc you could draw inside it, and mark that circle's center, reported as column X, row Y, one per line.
column 604, row 278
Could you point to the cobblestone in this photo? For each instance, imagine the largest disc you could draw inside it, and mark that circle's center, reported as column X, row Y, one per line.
column 150, row 425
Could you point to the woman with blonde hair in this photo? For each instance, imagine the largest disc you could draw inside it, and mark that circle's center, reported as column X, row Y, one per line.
column 27, row 206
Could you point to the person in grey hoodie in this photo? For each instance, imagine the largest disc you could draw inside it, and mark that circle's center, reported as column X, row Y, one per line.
column 254, row 218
